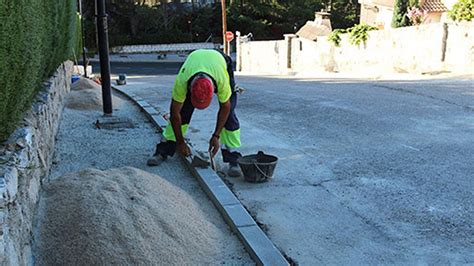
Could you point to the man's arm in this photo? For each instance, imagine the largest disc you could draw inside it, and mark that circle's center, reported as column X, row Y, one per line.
column 176, row 124
column 222, row 115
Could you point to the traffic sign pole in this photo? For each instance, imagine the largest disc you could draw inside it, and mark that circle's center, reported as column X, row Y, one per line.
column 229, row 36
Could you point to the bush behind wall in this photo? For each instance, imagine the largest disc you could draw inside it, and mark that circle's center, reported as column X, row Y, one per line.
column 35, row 38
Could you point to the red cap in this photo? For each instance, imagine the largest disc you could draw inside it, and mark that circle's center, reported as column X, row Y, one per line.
column 201, row 92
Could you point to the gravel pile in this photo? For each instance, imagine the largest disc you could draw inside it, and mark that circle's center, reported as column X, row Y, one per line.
column 122, row 216
column 87, row 95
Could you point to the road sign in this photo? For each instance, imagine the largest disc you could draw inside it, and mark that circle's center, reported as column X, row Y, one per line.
column 229, row 36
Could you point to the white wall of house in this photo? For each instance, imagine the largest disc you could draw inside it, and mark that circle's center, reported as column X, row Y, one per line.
column 378, row 16
column 384, row 17
column 379, row 13
column 449, row 3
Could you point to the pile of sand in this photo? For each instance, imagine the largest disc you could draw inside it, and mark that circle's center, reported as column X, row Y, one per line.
column 87, row 95
column 121, row 216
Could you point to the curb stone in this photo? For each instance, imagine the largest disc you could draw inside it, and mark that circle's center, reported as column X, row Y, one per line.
column 259, row 246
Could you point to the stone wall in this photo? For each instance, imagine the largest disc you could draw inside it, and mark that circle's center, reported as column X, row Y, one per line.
column 424, row 48
column 25, row 160
column 409, row 49
column 263, row 56
column 460, row 47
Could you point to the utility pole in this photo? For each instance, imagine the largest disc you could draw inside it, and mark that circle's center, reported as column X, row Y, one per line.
column 224, row 27
column 102, row 33
column 84, row 58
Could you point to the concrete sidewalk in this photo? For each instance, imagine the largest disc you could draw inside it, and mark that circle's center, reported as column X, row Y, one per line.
column 81, row 145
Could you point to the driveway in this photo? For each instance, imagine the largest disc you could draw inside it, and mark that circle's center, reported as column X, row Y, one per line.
column 370, row 172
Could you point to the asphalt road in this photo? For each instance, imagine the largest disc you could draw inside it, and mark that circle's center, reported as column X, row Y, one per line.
column 369, row 172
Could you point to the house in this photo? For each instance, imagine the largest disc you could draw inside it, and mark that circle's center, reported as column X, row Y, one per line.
column 321, row 26
column 379, row 13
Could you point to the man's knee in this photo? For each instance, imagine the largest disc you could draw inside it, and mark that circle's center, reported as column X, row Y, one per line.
column 230, row 157
column 165, row 149
column 232, row 123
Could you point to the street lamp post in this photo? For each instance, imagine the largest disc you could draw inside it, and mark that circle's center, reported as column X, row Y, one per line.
column 102, row 33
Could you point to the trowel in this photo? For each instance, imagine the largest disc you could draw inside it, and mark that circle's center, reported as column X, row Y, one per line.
column 202, row 161
column 213, row 163
column 199, row 160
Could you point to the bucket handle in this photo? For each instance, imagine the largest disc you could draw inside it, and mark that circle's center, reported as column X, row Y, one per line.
column 260, row 170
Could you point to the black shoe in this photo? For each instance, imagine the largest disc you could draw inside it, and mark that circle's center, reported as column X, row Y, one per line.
column 234, row 170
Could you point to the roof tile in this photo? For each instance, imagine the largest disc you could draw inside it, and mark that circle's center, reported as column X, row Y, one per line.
column 433, row 6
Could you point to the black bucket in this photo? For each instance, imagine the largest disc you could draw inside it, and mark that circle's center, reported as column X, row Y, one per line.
column 257, row 167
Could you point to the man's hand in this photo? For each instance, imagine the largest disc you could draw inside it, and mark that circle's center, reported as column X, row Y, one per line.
column 222, row 115
column 214, row 145
column 183, row 148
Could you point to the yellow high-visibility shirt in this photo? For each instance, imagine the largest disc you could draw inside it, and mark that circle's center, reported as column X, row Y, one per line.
column 207, row 61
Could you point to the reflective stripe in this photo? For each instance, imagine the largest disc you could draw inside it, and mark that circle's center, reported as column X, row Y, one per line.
column 225, row 147
column 230, row 139
column 169, row 133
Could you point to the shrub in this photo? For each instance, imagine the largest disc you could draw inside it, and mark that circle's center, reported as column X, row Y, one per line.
column 359, row 33
column 462, row 10
column 35, row 37
column 335, row 36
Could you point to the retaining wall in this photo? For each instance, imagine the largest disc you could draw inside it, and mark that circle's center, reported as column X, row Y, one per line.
column 263, row 56
column 424, row 48
column 460, row 47
column 25, row 161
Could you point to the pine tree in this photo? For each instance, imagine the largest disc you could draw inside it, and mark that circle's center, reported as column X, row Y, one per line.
column 413, row 3
column 400, row 18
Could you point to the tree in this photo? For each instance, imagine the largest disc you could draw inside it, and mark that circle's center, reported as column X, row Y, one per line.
column 400, row 18
column 344, row 13
column 462, row 10
column 413, row 3
column 165, row 21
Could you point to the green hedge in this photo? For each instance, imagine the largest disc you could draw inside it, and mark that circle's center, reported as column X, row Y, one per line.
column 35, row 38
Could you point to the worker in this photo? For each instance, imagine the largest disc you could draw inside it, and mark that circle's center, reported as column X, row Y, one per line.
column 204, row 73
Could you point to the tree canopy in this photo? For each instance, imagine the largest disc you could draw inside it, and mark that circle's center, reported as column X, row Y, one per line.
column 160, row 21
